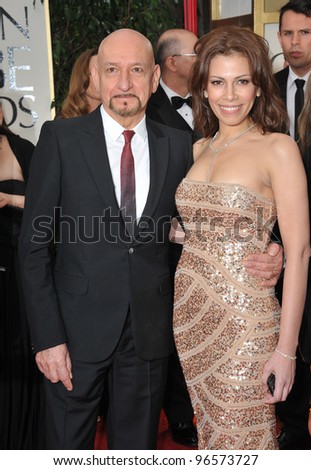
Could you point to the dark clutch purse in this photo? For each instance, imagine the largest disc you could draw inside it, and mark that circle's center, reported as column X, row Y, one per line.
column 271, row 383
column 10, row 226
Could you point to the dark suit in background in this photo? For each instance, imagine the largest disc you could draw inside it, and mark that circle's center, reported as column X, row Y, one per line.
column 281, row 78
column 305, row 330
column 161, row 110
column 175, row 55
column 177, row 403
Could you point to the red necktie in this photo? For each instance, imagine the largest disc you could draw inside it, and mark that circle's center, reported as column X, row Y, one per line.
column 127, row 174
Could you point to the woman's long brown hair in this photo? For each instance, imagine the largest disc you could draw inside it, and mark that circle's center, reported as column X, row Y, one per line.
column 268, row 111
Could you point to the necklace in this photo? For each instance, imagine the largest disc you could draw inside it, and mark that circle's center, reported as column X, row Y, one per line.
column 230, row 141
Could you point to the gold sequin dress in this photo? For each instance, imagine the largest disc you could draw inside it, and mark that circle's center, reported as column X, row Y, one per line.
column 225, row 324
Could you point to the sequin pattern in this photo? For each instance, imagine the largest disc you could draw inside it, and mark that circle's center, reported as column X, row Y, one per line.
column 225, row 323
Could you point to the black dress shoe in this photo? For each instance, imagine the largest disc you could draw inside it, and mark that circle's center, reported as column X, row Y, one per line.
column 184, row 434
column 294, row 441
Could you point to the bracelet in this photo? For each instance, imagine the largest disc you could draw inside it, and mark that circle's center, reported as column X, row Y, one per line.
column 292, row 358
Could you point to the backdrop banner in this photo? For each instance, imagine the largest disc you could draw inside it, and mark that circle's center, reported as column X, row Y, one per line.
column 26, row 72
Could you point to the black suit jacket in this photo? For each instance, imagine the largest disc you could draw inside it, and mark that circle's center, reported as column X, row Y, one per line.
column 83, row 298
column 161, row 110
column 305, row 330
column 281, row 78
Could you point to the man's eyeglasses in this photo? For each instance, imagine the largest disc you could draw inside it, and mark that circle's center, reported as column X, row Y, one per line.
column 189, row 54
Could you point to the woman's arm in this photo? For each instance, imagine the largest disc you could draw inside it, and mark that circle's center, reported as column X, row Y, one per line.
column 289, row 185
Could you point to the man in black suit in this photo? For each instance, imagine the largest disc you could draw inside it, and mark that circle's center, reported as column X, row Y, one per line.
column 105, row 307
column 102, row 186
column 175, row 55
column 171, row 103
column 295, row 39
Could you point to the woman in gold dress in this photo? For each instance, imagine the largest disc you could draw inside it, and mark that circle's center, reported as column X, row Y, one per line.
column 230, row 333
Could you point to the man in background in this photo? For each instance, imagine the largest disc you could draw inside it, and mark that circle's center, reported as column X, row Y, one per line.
column 171, row 105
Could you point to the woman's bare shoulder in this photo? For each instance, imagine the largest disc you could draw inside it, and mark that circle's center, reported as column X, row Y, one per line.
column 283, row 146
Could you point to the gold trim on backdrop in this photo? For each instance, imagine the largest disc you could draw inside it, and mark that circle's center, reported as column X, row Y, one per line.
column 218, row 17
column 263, row 17
column 50, row 56
column 216, row 10
column 273, row 5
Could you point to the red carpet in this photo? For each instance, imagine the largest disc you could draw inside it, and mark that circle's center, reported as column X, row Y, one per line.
column 165, row 441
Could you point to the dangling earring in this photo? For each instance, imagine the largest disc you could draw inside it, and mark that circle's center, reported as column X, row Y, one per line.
column 205, row 94
column 258, row 94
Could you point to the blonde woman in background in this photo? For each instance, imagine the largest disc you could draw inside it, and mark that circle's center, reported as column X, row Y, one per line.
column 82, row 97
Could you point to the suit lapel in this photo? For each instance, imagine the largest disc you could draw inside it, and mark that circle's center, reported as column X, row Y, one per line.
column 94, row 150
column 159, row 160
column 168, row 114
column 281, row 78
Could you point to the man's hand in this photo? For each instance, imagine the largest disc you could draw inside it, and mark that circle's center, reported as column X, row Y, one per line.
column 177, row 234
column 4, row 200
column 12, row 200
column 55, row 364
column 267, row 266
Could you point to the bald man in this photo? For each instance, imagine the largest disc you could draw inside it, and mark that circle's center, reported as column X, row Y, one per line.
column 175, row 55
column 105, row 307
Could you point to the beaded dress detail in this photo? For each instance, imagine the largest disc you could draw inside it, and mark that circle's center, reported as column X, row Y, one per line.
column 226, row 324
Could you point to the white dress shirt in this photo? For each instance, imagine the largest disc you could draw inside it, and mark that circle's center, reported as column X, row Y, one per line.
column 290, row 98
column 140, row 149
column 185, row 111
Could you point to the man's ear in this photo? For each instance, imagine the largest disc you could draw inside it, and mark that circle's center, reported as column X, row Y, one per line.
column 95, row 76
column 170, row 63
column 156, row 77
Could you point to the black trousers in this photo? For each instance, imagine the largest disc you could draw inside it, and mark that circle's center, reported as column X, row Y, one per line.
column 177, row 404
column 136, row 389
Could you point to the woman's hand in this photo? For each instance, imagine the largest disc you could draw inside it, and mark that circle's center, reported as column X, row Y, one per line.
column 11, row 200
column 283, row 369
